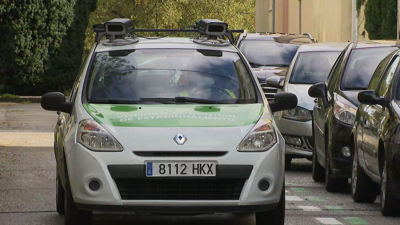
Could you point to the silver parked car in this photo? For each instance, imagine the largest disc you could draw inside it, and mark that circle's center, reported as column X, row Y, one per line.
column 310, row 65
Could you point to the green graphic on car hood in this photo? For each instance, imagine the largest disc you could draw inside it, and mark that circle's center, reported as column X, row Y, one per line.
column 233, row 115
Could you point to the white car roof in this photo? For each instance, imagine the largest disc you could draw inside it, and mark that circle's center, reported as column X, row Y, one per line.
column 164, row 43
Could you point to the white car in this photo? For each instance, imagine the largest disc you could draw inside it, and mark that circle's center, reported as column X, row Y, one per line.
column 168, row 125
column 310, row 65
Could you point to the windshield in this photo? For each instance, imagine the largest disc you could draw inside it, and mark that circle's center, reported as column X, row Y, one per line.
column 170, row 76
column 313, row 67
column 361, row 65
column 268, row 53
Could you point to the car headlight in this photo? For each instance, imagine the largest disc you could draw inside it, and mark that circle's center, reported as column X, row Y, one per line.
column 94, row 137
column 261, row 138
column 298, row 114
column 344, row 113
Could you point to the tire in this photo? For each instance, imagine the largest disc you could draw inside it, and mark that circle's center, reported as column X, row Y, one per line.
column 318, row 172
column 60, row 193
column 363, row 189
column 74, row 216
column 288, row 162
column 332, row 184
column 275, row 216
column 389, row 205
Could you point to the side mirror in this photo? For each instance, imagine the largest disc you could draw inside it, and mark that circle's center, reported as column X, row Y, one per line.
column 276, row 82
column 318, row 91
column 55, row 101
column 283, row 101
column 370, row 97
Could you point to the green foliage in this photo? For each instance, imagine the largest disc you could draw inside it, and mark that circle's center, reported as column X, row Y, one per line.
column 32, row 31
column 8, row 97
column 63, row 66
column 359, row 4
column 239, row 14
column 381, row 19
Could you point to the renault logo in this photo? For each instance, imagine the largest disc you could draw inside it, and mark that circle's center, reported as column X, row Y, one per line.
column 180, row 139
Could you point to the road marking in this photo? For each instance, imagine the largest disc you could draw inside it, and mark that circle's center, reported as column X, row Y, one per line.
column 309, row 208
column 293, row 199
column 355, row 220
column 335, row 208
column 289, row 184
column 300, row 190
column 330, row 221
column 315, row 199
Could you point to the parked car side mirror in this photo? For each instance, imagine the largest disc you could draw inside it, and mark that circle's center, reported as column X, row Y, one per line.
column 318, row 91
column 276, row 82
column 55, row 101
column 283, row 101
column 370, row 97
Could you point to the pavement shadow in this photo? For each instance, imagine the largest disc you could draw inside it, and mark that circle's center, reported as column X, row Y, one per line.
column 155, row 219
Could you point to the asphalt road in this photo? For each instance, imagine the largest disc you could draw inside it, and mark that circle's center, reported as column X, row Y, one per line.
column 27, row 184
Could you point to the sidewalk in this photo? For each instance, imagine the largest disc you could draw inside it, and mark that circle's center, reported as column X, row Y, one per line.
column 26, row 125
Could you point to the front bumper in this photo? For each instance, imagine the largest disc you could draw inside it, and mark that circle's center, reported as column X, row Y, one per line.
column 300, row 130
column 108, row 168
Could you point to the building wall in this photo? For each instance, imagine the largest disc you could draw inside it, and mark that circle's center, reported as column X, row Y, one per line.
column 326, row 20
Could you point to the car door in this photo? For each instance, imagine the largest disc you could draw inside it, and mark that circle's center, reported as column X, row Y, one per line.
column 375, row 118
column 321, row 110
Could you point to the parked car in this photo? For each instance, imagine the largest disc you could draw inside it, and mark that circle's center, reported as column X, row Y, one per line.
column 168, row 125
column 310, row 65
column 376, row 139
column 270, row 54
column 335, row 109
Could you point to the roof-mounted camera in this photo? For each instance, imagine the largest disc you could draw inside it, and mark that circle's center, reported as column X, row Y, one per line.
column 212, row 27
column 115, row 29
column 119, row 27
column 212, row 32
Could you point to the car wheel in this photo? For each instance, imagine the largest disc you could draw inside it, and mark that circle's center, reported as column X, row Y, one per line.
column 288, row 162
column 363, row 189
column 318, row 172
column 60, row 193
column 275, row 216
column 74, row 216
column 332, row 184
column 389, row 205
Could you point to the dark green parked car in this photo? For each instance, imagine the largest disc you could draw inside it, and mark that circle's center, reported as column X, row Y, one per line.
column 376, row 164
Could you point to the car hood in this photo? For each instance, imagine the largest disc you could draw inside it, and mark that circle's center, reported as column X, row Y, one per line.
column 301, row 91
column 265, row 72
column 352, row 96
column 213, row 127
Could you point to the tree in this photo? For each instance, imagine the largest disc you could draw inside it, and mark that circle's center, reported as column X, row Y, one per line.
column 381, row 19
column 63, row 65
column 30, row 31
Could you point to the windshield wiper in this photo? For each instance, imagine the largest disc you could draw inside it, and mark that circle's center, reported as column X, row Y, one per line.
column 181, row 100
column 278, row 65
column 255, row 65
column 113, row 101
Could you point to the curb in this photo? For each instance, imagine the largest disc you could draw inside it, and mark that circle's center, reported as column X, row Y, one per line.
column 32, row 99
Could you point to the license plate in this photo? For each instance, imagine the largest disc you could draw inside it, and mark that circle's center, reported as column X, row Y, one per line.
column 181, row 169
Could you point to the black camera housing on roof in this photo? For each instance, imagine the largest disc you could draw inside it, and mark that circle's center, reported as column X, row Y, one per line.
column 119, row 27
column 212, row 27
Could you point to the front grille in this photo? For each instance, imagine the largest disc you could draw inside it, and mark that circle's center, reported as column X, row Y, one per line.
column 180, row 189
column 179, row 154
